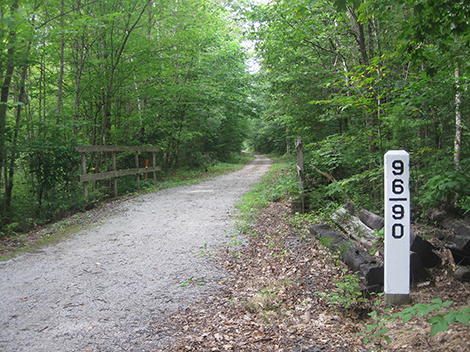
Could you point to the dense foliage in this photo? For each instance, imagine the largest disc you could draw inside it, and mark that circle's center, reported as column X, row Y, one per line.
column 163, row 73
column 357, row 78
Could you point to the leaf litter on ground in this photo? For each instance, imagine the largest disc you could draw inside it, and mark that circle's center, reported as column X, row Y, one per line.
column 270, row 301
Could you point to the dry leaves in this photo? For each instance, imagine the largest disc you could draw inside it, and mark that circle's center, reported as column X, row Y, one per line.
column 269, row 303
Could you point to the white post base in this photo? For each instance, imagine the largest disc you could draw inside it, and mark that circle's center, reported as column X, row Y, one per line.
column 397, row 299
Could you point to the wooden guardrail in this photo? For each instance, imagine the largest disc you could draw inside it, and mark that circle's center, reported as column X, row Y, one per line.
column 115, row 174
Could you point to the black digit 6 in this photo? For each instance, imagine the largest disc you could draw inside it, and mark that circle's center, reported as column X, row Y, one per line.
column 397, row 186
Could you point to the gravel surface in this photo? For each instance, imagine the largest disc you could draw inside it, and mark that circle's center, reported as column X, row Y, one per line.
column 108, row 287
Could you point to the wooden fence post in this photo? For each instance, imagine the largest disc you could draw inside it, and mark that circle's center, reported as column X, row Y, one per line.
column 154, row 173
column 85, row 184
column 115, row 174
column 300, row 177
column 137, row 166
column 114, row 178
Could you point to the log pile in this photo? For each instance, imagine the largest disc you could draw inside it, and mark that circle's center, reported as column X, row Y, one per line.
column 356, row 237
column 455, row 234
column 353, row 255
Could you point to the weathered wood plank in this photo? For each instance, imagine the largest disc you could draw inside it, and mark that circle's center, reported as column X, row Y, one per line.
column 111, row 174
column 111, row 148
column 85, row 184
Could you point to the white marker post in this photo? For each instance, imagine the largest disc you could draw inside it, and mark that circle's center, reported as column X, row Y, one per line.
column 397, row 227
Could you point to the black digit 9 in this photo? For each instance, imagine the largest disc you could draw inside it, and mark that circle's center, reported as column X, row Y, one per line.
column 398, row 211
column 398, row 167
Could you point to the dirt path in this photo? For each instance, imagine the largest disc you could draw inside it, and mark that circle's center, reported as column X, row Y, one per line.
column 106, row 287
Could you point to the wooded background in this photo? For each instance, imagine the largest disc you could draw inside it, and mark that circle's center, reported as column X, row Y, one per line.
column 357, row 78
column 353, row 79
column 165, row 73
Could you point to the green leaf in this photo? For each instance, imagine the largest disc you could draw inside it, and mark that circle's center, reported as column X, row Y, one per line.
column 451, row 316
column 340, row 5
column 406, row 317
column 438, row 324
column 463, row 317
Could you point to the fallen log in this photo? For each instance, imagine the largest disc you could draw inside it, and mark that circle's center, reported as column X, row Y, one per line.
column 462, row 273
column 355, row 257
column 460, row 239
column 372, row 220
column 424, row 249
column 327, row 235
column 418, row 272
column 456, row 236
column 355, row 228
column 359, row 260
column 369, row 218
column 373, row 274
column 352, row 254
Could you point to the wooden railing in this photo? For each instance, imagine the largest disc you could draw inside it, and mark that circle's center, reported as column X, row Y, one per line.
column 115, row 174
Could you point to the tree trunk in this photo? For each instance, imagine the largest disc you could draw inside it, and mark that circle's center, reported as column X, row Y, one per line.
column 361, row 37
column 5, row 90
column 23, row 100
column 115, row 60
column 61, row 68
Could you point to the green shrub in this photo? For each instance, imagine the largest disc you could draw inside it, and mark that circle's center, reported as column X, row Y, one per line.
column 450, row 188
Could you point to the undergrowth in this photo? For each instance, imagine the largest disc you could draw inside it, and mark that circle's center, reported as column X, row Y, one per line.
column 277, row 185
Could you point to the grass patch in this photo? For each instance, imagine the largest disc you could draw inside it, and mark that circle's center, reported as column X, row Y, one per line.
column 276, row 186
column 31, row 244
column 185, row 177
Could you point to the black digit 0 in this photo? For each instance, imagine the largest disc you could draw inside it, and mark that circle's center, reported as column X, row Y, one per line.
column 398, row 231
column 398, row 211
column 398, row 167
column 397, row 186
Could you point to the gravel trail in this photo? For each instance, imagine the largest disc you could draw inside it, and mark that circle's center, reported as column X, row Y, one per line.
column 108, row 287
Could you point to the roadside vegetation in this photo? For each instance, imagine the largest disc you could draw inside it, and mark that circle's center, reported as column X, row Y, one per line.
column 438, row 318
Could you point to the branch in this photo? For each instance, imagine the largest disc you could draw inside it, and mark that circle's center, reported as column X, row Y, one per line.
column 332, row 180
